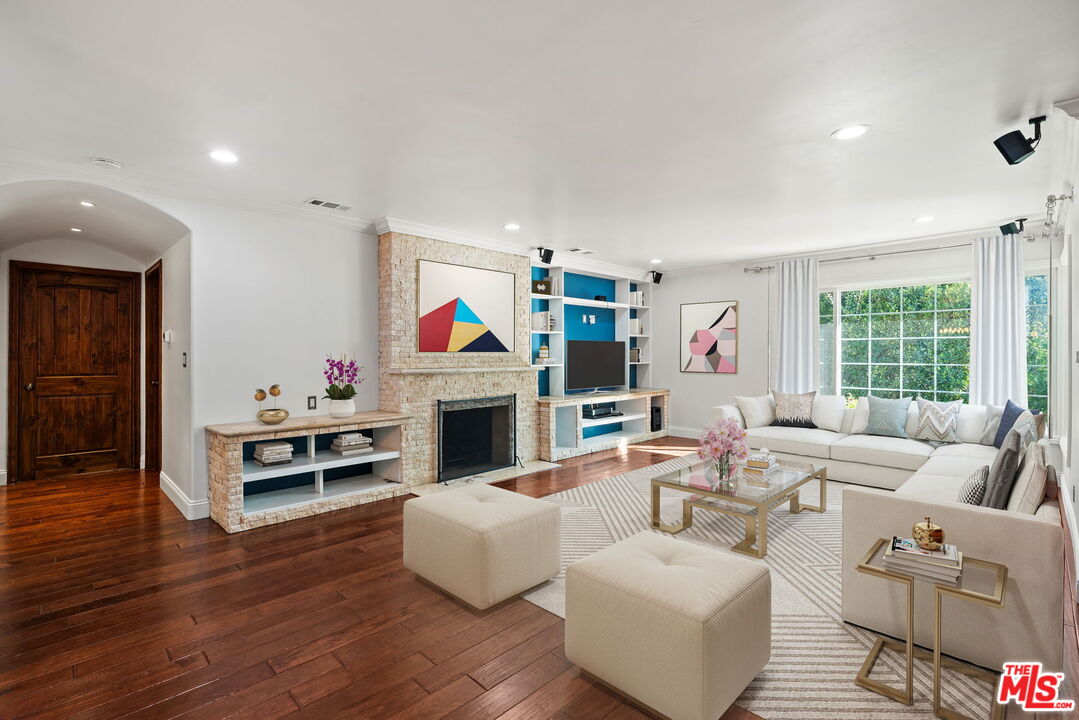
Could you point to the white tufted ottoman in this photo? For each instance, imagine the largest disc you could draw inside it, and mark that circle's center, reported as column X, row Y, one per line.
column 682, row 629
column 482, row 544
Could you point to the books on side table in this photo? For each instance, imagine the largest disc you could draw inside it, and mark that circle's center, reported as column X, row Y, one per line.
column 944, row 565
column 278, row 452
column 353, row 443
column 760, row 463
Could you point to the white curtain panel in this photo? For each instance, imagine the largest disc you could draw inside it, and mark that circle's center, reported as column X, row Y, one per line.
column 799, row 318
column 998, row 328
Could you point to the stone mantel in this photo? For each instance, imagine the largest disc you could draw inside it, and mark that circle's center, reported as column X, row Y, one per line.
column 459, row 371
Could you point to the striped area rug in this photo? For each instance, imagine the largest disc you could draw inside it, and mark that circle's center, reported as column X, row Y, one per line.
column 815, row 655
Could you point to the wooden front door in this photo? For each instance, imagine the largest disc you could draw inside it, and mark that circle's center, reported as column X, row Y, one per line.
column 74, row 377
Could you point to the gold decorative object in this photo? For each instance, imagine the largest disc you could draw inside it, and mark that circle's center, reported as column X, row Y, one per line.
column 272, row 417
column 927, row 535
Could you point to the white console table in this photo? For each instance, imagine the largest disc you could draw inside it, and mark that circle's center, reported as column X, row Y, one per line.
column 562, row 425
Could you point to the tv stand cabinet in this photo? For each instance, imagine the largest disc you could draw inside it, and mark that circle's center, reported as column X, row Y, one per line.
column 562, row 428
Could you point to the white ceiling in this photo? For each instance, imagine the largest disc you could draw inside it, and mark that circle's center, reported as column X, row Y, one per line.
column 696, row 132
column 48, row 209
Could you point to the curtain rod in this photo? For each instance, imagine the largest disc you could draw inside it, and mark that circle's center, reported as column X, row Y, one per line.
column 873, row 256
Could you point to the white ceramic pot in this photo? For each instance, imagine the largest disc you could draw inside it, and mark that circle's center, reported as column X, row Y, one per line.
column 342, row 408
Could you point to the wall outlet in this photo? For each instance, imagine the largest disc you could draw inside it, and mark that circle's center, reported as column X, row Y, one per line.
column 591, row 319
column 312, row 402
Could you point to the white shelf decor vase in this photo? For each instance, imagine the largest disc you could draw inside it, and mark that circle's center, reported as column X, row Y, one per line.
column 342, row 408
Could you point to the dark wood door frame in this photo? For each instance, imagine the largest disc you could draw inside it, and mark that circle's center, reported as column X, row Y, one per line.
column 20, row 272
column 152, row 331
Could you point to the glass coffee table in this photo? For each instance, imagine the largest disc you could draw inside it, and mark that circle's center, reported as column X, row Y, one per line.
column 747, row 495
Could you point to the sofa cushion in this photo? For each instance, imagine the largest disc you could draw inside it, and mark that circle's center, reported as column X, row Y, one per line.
column 933, row 488
column 828, row 412
column 1008, row 418
column 975, row 451
column 956, row 465
column 992, row 424
column 757, row 411
column 938, row 422
column 877, row 450
column 972, row 420
column 973, row 489
column 1002, row 473
column 794, row 409
column 811, row 442
column 1029, row 489
column 888, row 417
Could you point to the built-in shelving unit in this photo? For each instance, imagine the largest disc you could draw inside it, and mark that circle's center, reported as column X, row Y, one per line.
column 566, row 433
column 244, row 494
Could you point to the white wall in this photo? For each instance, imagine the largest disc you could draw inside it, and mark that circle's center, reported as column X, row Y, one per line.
column 62, row 251
column 694, row 394
column 176, row 384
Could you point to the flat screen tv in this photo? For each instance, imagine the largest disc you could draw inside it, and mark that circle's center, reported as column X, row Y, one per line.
column 595, row 364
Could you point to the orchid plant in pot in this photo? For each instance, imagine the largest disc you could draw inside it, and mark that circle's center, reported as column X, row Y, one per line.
column 724, row 445
column 343, row 375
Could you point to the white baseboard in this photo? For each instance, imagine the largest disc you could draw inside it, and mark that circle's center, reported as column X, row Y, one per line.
column 3, row 477
column 190, row 509
column 684, row 431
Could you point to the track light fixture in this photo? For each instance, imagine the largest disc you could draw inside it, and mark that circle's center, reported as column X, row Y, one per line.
column 1012, row 228
column 545, row 255
column 1017, row 147
column 656, row 276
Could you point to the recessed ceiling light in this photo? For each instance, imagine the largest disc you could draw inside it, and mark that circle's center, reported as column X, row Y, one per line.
column 656, row 261
column 512, row 226
column 86, row 203
column 924, row 219
column 223, row 156
column 850, row 132
column 76, row 229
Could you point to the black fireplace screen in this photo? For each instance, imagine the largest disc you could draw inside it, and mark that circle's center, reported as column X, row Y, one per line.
column 476, row 436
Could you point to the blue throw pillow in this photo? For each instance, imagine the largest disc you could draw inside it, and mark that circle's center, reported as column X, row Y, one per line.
column 888, row 417
column 1007, row 420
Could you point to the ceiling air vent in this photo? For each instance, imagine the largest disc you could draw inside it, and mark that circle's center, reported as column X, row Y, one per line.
column 581, row 251
column 327, row 204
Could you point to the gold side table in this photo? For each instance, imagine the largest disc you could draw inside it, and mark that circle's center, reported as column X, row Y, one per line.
column 872, row 564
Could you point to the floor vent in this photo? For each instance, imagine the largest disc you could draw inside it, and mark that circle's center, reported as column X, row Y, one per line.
column 327, row 204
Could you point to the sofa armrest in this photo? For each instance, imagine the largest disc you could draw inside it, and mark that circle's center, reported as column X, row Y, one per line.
column 722, row 412
column 1029, row 624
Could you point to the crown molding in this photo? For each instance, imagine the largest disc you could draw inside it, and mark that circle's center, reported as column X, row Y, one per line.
column 111, row 179
column 563, row 259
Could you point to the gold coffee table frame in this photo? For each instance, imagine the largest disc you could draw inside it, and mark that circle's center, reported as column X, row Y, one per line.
column 755, row 516
column 906, row 695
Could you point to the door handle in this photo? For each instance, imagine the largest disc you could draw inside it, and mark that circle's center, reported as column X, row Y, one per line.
column 29, row 386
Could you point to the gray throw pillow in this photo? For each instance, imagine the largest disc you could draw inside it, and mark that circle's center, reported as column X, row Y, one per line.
column 888, row 417
column 998, row 487
column 973, row 489
column 938, row 422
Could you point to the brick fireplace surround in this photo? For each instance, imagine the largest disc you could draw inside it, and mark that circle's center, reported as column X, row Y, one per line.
column 412, row 382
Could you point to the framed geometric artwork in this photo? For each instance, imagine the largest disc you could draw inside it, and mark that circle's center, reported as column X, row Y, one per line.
column 464, row 309
column 709, row 337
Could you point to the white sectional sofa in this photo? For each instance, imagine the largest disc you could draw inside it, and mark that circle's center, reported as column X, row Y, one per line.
column 910, row 479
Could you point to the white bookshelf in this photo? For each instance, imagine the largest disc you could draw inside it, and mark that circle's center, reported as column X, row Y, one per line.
column 623, row 310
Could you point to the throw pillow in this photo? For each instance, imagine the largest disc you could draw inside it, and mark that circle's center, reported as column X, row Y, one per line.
column 992, row 424
column 1027, row 427
column 794, row 410
column 1007, row 420
column 861, row 417
column 828, row 412
column 756, row 411
column 998, row 486
column 973, row 489
column 938, row 422
column 888, row 417
column 1029, row 489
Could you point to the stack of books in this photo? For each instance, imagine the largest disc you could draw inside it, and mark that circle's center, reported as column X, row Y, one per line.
column 351, row 444
column 760, row 463
column 273, row 453
column 634, row 354
column 543, row 321
column 944, row 565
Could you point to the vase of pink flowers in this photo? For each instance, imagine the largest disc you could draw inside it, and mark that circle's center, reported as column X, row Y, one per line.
column 724, row 445
column 342, row 375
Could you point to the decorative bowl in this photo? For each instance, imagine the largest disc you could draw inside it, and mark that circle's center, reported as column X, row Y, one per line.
column 927, row 535
column 272, row 417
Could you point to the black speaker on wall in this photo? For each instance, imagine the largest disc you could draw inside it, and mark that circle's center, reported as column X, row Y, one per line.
column 657, row 418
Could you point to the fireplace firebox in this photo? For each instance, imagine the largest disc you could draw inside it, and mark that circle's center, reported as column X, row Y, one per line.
column 476, row 436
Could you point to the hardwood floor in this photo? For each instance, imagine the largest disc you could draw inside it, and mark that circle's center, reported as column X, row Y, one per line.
column 112, row 605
